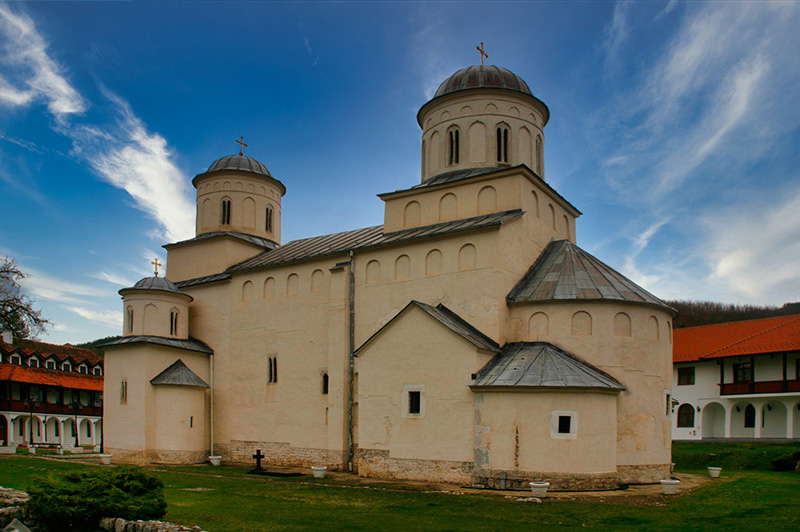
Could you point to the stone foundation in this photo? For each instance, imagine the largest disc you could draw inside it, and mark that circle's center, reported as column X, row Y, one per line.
column 376, row 463
column 642, row 474
column 519, row 480
column 128, row 456
column 282, row 454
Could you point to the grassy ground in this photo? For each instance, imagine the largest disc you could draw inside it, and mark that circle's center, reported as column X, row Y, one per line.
column 226, row 499
column 744, row 456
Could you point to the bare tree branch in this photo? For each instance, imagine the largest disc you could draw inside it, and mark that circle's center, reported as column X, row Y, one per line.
column 17, row 313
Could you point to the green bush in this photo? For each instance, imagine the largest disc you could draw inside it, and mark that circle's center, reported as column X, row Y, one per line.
column 76, row 501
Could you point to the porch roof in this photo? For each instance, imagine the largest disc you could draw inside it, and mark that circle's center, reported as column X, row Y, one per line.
column 28, row 375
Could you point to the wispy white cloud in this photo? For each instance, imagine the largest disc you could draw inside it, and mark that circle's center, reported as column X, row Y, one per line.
column 617, row 33
column 640, row 241
column 38, row 77
column 141, row 163
column 113, row 278
column 111, row 318
column 667, row 9
column 130, row 157
column 47, row 287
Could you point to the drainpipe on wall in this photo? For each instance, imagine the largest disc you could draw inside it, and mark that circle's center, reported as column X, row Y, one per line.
column 351, row 365
column 211, row 410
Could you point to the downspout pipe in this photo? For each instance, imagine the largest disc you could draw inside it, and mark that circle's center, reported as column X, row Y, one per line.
column 351, row 364
column 211, row 399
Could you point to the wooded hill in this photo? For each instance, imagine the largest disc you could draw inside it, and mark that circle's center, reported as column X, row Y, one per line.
column 692, row 313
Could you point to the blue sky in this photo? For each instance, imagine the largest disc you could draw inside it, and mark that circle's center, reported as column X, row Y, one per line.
column 674, row 128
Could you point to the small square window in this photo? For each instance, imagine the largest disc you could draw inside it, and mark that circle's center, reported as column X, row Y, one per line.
column 685, row 376
column 413, row 401
column 564, row 423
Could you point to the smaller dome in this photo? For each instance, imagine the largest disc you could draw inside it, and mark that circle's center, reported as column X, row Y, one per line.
column 239, row 162
column 156, row 283
column 483, row 77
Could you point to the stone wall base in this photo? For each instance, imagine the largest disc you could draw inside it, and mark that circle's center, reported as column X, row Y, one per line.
column 376, row 463
column 282, row 454
column 642, row 474
column 519, row 480
column 155, row 456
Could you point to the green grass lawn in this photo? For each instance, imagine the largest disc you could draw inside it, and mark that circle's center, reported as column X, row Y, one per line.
column 226, row 499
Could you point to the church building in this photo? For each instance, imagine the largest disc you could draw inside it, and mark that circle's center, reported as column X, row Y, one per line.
column 467, row 339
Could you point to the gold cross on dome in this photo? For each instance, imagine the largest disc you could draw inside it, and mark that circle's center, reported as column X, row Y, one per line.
column 242, row 145
column 156, row 264
column 484, row 55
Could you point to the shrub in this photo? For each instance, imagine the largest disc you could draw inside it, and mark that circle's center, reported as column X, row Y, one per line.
column 76, row 501
column 738, row 456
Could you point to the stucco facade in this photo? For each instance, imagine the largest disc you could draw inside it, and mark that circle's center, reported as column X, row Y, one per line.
column 373, row 349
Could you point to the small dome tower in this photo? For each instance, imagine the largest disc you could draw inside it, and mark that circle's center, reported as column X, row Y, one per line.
column 238, row 194
column 482, row 117
column 155, row 307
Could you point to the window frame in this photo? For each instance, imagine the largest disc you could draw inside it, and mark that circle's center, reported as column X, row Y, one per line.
column 742, row 372
column 555, row 425
column 406, row 402
column 686, row 376
column 682, row 421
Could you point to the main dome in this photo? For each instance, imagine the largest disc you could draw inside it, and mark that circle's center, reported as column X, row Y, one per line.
column 239, row 162
column 483, row 77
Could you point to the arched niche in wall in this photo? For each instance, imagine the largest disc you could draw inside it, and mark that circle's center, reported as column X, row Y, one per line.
column 292, row 284
column 487, row 200
column 433, row 262
column 269, row 288
column 247, row 291
column 402, row 268
column 551, row 215
column 477, row 142
column 652, row 328
column 317, row 281
column 411, row 214
column 538, row 325
column 206, row 214
column 448, row 207
column 622, row 324
column 565, row 227
column 581, row 323
column 249, row 213
column 150, row 317
column 525, row 146
column 535, row 203
column 467, row 257
column 433, row 153
column 373, row 272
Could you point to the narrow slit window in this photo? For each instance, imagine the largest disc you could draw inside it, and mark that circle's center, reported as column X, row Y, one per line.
column 226, row 212
column 502, row 144
column 173, row 323
column 324, row 384
column 130, row 319
column 123, row 392
column 453, row 147
column 269, row 220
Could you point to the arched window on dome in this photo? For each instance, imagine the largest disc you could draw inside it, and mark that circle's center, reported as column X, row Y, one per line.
column 453, row 146
column 268, row 226
column 502, row 143
column 226, row 211
column 129, row 317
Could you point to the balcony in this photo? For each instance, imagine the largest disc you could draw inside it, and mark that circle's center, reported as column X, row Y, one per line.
column 743, row 388
column 15, row 405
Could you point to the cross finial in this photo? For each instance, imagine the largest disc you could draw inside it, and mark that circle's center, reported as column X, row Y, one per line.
column 156, row 264
column 484, row 55
column 242, row 145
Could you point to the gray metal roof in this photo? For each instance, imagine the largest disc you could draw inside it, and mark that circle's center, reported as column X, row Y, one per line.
column 204, row 280
column 449, row 319
column 566, row 272
column 459, row 326
column 238, row 162
column 178, row 374
column 340, row 243
column 540, row 365
column 189, row 345
column 482, row 77
column 252, row 239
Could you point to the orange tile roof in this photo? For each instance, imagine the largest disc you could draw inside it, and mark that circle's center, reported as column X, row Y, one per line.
column 751, row 337
column 62, row 352
column 76, row 381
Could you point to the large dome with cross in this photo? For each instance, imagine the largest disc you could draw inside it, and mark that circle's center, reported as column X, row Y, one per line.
column 239, row 162
column 483, row 77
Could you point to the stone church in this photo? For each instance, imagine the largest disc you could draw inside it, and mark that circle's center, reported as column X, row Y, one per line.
column 467, row 339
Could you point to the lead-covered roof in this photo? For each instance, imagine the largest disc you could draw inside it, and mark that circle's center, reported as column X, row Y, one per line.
column 178, row 374
column 543, row 366
column 566, row 272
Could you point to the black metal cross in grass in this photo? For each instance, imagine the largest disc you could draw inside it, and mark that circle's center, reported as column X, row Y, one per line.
column 258, row 456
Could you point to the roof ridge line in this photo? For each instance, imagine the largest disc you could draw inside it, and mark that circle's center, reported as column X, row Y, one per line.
column 742, row 340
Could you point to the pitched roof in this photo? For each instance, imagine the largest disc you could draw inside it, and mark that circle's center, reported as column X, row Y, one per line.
column 189, row 344
column 178, row 374
column 61, row 352
column 751, row 337
column 252, row 239
column 540, row 365
column 340, row 243
column 449, row 319
column 63, row 379
column 566, row 272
